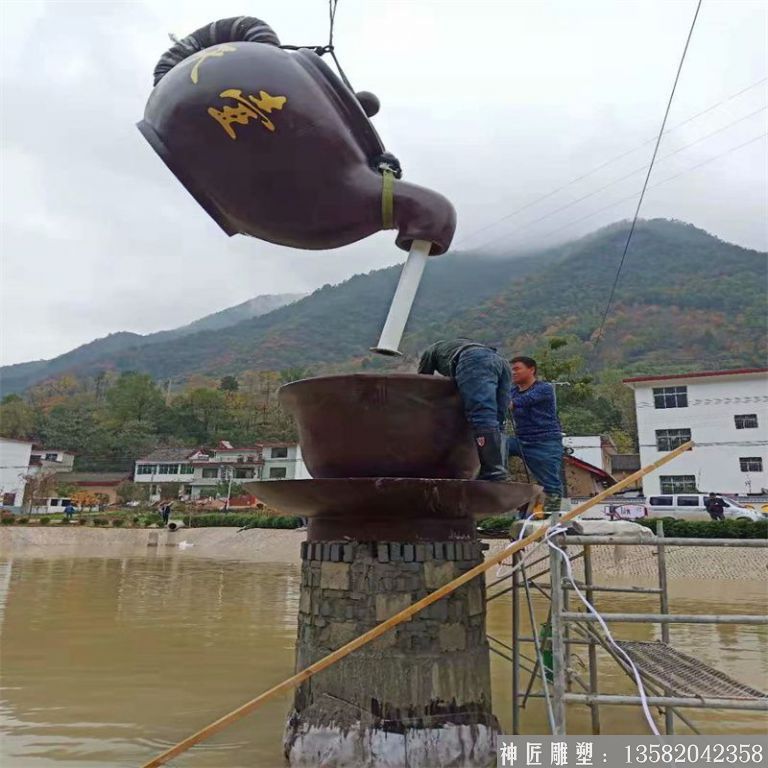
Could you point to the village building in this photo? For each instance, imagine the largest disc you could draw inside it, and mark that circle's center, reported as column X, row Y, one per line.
column 14, row 467
column 207, row 473
column 725, row 413
column 46, row 460
column 583, row 479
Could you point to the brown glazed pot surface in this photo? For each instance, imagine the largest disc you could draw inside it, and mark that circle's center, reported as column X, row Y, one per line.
column 273, row 145
column 392, row 508
column 394, row 425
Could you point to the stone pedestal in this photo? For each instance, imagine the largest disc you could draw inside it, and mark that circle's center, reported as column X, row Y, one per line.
column 418, row 696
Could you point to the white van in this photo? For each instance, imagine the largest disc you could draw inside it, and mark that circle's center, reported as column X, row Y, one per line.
column 690, row 506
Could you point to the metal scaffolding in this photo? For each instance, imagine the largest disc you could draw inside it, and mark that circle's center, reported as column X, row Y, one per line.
column 673, row 680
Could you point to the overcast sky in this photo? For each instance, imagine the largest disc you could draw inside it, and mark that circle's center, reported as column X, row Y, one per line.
column 493, row 103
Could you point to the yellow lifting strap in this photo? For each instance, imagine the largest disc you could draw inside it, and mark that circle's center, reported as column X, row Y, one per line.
column 387, row 199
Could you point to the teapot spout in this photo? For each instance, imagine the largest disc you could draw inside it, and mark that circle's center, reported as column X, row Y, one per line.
column 422, row 214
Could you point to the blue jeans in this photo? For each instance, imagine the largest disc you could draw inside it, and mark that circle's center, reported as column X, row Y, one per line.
column 485, row 384
column 544, row 461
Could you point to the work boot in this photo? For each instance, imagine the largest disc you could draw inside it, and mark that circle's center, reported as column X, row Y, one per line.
column 552, row 502
column 490, row 451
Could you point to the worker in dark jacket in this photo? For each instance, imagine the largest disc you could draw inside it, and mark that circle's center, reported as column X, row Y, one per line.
column 483, row 379
column 539, row 436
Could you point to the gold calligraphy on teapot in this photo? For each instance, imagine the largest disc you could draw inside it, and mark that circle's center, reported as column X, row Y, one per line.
column 248, row 108
column 216, row 52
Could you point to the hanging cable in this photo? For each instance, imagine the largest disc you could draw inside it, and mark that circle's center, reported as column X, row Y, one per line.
column 645, row 184
column 332, row 6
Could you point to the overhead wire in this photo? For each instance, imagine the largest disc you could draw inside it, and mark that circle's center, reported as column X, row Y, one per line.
column 633, row 196
column 626, row 176
column 612, row 293
column 606, row 163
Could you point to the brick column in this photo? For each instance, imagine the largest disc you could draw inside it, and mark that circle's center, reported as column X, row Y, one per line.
column 421, row 694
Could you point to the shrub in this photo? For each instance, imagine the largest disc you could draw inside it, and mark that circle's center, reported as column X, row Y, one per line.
column 135, row 519
column 231, row 520
column 22, row 520
column 494, row 525
column 82, row 521
column 711, row 529
column 117, row 522
column 44, row 520
column 99, row 521
column 7, row 519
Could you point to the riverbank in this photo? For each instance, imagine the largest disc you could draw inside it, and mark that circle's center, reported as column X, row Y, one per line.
column 282, row 546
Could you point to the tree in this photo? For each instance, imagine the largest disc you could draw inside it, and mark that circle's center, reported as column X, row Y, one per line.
column 128, row 491
column 133, row 440
column 202, row 414
column 294, row 373
column 134, row 397
column 39, row 486
column 17, row 418
column 229, row 384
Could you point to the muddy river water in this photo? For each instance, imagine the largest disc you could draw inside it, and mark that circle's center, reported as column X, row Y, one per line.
column 108, row 660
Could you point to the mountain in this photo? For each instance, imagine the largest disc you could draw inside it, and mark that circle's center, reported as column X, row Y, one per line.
column 259, row 305
column 686, row 300
column 17, row 377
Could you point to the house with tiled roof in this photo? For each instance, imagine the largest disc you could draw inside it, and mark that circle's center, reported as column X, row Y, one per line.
column 200, row 471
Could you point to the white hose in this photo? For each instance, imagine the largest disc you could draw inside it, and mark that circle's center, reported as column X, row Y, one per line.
column 554, row 530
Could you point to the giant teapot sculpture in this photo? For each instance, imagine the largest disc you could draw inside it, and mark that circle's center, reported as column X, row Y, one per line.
column 273, row 144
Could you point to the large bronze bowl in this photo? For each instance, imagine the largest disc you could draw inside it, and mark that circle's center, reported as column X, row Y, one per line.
column 394, row 425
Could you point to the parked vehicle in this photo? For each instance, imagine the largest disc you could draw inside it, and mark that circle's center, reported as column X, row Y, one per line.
column 690, row 506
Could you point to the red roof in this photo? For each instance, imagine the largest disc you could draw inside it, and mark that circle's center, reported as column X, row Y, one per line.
column 700, row 375
column 601, row 473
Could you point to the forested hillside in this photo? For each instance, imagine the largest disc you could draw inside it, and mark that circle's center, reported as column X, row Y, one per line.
column 685, row 300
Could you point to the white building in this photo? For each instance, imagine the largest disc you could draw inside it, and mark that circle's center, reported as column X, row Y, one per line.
column 201, row 473
column 14, row 467
column 50, row 460
column 724, row 412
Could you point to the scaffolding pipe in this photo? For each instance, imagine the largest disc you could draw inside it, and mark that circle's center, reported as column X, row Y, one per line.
column 559, row 682
column 651, row 541
column 661, row 618
column 592, row 651
column 404, row 615
column 625, row 590
column 753, row 705
column 669, row 719
column 650, row 685
column 516, row 644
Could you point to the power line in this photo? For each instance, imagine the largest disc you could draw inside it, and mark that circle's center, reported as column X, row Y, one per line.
column 645, row 183
column 581, row 199
column 606, row 163
column 654, row 186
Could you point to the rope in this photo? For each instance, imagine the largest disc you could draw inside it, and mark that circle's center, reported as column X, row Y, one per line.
column 398, row 618
column 321, row 50
column 645, row 184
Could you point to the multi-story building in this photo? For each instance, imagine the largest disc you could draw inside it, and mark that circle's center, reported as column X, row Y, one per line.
column 50, row 460
column 202, row 473
column 14, row 468
column 724, row 412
